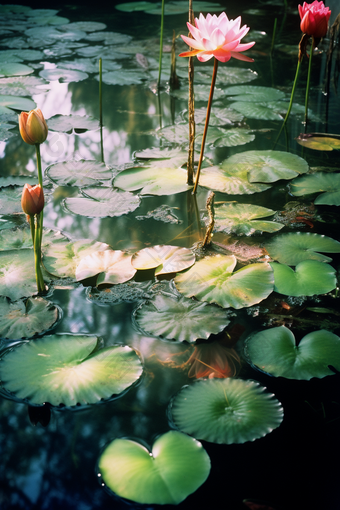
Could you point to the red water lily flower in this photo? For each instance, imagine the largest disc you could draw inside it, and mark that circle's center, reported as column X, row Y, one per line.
column 217, row 37
column 32, row 199
column 314, row 19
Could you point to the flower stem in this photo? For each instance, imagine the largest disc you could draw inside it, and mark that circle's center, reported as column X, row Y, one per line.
column 101, row 109
column 161, row 48
column 213, row 81
column 308, row 82
column 291, row 101
column 37, row 254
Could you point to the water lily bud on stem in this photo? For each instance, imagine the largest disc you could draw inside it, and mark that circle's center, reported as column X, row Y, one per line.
column 314, row 19
column 32, row 199
column 33, row 127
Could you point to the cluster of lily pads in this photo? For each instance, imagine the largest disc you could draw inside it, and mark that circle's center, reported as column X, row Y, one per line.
column 208, row 286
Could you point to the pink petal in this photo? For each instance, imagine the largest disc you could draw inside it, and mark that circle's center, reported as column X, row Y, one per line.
column 244, row 47
column 208, row 45
column 230, row 46
column 194, row 32
column 240, row 56
column 217, row 38
column 192, row 43
column 205, row 56
column 189, row 53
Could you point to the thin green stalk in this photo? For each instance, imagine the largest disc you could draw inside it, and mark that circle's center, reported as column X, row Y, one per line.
column 37, row 254
column 308, row 82
column 273, row 37
column 161, row 48
column 290, row 103
column 32, row 225
column 37, row 151
column 101, row 109
column 213, row 81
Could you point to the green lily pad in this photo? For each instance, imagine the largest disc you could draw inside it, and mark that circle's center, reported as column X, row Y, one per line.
column 176, row 466
column 135, row 6
column 90, row 66
column 254, row 94
column 87, row 26
column 218, row 116
column 123, row 77
column 14, row 69
column 17, row 274
column 100, row 202
column 180, row 319
column 261, row 111
column 16, row 103
column 26, row 318
column 69, row 123
column 10, row 200
column 19, row 238
column 201, row 93
column 242, row 219
column 73, row 370
column 276, row 352
column 230, row 178
column 111, row 266
column 227, row 75
column 212, row 279
column 319, row 141
column 216, row 136
column 226, row 410
column 22, row 85
column 78, row 173
column 153, row 180
column 164, row 259
column 270, row 166
column 295, row 247
column 63, row 75
column 310, row 277
column 329, row 183
column 62, row 259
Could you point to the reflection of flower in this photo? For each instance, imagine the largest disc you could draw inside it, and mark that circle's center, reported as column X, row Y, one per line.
column 217, row 37
column 314, row 19
column 214, row 360
column 32, row 199
column 33, row 127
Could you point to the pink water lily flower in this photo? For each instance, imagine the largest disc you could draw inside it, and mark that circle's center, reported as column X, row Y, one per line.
column 217, row 37
column 314, row 19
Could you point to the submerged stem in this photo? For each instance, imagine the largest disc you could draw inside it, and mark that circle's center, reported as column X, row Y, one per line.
column 213, row 81
column 101, row 109
column 308, row 81
column 37, row 253
column 161, row 48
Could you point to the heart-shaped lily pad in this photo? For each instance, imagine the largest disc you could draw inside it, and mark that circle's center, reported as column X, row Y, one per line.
column 319, row 141
column 242, row 219
column 26, row 318
column 175, row 467
column 68, row 123
column 153, row 180
column 100, row 202
column 327, row 182
column 163, row 258
column 226, row 410
column 68, row 369
column 276, row 352
column 231, row 179
column 78, row 173
column 295, row 247
column 254, row 94
column 111, row 266
column 310, row 277
column 180, row 319
column 212, row 279
column 270, row 166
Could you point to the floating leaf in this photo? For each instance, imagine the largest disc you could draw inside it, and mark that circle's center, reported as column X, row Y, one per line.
column 16, row 103
column 10, row 200
column 90, row 66
column 320, row 181
column 153, row 180
column 176, row 466
column 63, row 75
column 230, row 178
column 135, row 6
column 26, row 318
column 241, row 219
column 17, row 274
column 201, row 93
column 78, row 173
column 123, row 77
column 68, row 123
column 253, row 110
column 72, row 368
column 254, row 93
column 87, row 26
column 226, row 410
column 212, row 279
column 14, row 69
column 227, row 75
column 100, row 202
column 19, row 238
column 319, row 141
column 181, row 319
column 270, row 166
column 63, row 258
column 295, row 247
column 310, row 277
column 276, row 352
column 111, row 266
column 218, row 117
column 22, row 85
column 163, row 258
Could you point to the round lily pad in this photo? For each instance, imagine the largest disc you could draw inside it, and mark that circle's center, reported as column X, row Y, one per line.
column 175, row 467
column 68, row 123
column 111, row 266
column 180, row 319
column 243, row 219
column 18, row 238
column 310, row 277
column 26, row 318
column 100, row 202
column 212, row 279
column 226, row 410
column 231, row 179
column 253, row 93
column 63, row 75
column 319, row 141
column 15, row 69
column 163, row 258
column 328, row 183
column 295, row 247
column 153, row 180
column 17, row 103
column 68, row 369
column 276, row 352
column 78, row 173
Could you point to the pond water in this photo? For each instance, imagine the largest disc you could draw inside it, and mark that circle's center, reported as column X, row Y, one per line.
column 56, row 466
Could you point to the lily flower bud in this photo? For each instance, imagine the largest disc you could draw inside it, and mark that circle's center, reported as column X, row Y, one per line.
column 33, row 127
column 32, row 199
